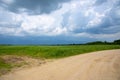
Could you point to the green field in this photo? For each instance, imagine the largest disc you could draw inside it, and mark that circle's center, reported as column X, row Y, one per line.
column 53, row 51
column 46, row 52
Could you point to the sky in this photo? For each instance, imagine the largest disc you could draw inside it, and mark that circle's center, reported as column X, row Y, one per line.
column 59, row 21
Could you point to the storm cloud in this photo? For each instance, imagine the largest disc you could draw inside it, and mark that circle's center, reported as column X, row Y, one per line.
column 67, row 21
column 32, row 6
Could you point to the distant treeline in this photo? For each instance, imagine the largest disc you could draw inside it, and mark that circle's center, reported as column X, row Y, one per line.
column 115, row 42
column 5, row 44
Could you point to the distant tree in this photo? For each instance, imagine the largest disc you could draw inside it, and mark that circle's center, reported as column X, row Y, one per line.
column 96, row 43
column 117, row 42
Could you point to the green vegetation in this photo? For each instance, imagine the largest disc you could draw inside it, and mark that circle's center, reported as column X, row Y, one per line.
column 6, row 64
column 115, row 42
column 4, row 67
column 52, row 51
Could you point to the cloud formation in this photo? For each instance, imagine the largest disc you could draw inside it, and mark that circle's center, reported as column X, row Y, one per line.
column 78, row 19
column 100, row 2
column 32, row 6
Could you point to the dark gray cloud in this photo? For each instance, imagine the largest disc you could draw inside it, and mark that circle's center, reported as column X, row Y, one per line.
column 33, row 6
column 62, row 39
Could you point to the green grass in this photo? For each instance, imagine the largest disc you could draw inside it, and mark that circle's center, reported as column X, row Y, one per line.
column 49, row 52
column 4, row 67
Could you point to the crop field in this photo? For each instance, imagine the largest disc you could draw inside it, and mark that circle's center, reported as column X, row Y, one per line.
column 49, row 52
column 44, row 52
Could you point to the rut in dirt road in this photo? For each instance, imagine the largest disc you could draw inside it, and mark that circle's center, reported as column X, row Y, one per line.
column 101, row 65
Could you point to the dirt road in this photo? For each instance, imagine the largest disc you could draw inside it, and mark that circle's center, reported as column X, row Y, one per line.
column 102, row 65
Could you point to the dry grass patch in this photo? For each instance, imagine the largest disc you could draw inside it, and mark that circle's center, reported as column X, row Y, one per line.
column 12, row 62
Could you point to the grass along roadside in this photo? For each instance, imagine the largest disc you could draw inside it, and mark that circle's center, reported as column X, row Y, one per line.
column 13, row 62
column 4, row 67
column 17, row 56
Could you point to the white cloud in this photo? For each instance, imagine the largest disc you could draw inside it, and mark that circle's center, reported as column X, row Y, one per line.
column 41, row 24
column 82, row 15
column 96, row 20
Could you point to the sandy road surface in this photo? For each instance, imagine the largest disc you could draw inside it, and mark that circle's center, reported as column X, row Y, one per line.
column 102, row 65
